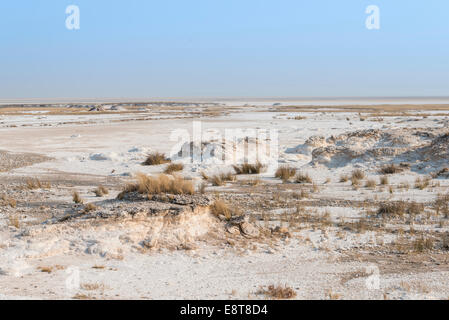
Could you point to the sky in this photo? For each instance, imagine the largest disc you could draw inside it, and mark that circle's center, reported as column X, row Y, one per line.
column 223, row 48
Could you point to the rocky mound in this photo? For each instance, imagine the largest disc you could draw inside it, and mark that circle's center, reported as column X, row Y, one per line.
column 374, row 147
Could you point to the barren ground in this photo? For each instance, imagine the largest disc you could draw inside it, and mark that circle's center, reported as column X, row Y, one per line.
column 365, row 216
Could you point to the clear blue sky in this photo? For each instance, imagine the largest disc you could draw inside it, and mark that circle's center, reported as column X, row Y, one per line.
column 223, row 48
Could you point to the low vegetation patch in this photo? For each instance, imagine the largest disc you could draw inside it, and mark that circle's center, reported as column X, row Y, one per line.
column 174, row 167
column 285, row 173
column 400, row 208
column 159, row 185
column 101, row 191
column 155, row 158
column 390, row 169
column 357, row 174
column 248, row 168
column 277, row 292
column 221, row 208
column 77, row 198
column 303, row 178
column 220, row 179
column 7, row 201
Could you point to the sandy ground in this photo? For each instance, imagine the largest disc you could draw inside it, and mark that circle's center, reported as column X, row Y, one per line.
column 325, row 237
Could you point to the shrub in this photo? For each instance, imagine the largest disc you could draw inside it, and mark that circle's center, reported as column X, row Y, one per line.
column 390, row 169
column 221, row 179
column 173, row 167
column 285, row 173
column 357, row 174
column 155, row 158
column 157, row 185
column 370, row 183
column 76, row 197
column 344, row 178
column 101, row 191
column 278, row 292
column 90, row 207
column 221, row 208
column 247, row 168
column 303, row 178
column 400, row 208
column 421, row 184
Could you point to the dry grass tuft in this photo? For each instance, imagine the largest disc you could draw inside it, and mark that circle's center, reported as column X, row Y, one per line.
column 157, row 185
column 344, row 178
column 76, row 197
column 423, row 244
column 221, row 208
column 390, row 169
column 422, row 183
column 277, row 292
column 400, row 208
column 174, row 167
column 285, row 173
column 90, row 207
column 303, row 178
column 370, row 184
column 7, row 201
column 247, row 168
column 101, row 191
column 357, row 174
column 221, row 179
column 155, row 158
column 384, row 180
column 32, row 184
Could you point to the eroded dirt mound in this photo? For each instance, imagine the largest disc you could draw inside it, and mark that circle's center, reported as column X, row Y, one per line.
column 136, row 224
column 374, row 147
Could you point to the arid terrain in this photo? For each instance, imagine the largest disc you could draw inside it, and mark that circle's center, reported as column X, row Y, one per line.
column 109, row 201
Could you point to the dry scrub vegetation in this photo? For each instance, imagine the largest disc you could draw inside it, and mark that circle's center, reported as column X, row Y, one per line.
column 159, row 185
column 173, row 167
column 155, row 158
column 285, row 173
column 247, row 168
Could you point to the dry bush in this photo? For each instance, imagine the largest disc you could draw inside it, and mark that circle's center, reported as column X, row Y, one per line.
column 357, row 174
column 344, row 178
column 7, row 201
column 101, row 191
column 400, row 208
column 285, row 173
column 248, row 168
column 370, row 183
column 155, row 158
column 221, row 179
column 90, row 207
column 76, row 197
column 422, row 183
column 355, row 182
column 277, row 292
column 384, row 180
column 35, row 183
column 423, row 244
column 299, row 118
column 303, row 178
column 157, row 185
column 441, row 204
column 174, row 167
column 390, row 169
column 14, row 221
column 221, row 208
